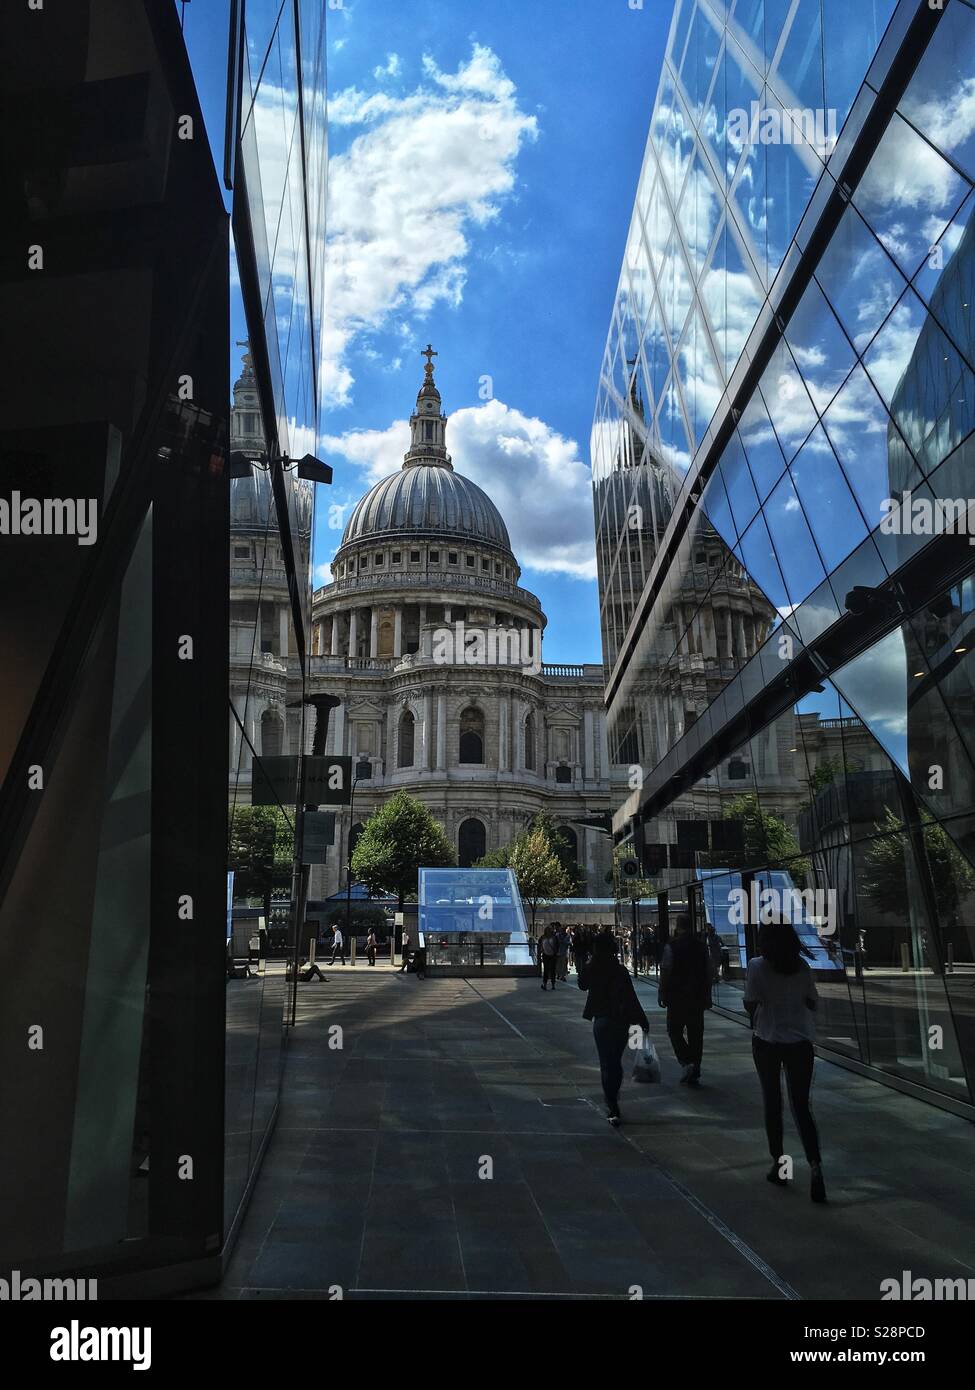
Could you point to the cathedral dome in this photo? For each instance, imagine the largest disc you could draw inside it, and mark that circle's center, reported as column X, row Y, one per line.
column 426, row 497
column 431, row 500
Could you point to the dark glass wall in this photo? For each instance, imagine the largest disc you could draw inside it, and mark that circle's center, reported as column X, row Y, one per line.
column 792, row 348
column 278, row 173
column 113, row 801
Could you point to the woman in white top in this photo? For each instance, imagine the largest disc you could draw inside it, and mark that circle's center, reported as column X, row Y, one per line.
column 780, row 996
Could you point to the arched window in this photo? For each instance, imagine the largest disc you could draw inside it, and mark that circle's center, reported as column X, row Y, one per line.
column 530, row 743
column 406, row 731
column 272, row 731
column 471, row 841
column 471, row 736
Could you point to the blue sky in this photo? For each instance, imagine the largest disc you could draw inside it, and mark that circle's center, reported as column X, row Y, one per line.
column 484, row 160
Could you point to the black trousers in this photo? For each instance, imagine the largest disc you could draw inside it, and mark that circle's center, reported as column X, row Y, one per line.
column 797, row 1058
column 611, row 1039
column 685, row 1028
column 548, row 969
column 338, row 951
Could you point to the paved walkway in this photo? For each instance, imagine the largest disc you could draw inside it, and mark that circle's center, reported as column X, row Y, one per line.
column 373, row 1179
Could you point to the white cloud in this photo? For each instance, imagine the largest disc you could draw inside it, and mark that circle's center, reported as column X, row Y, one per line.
column 391, row 69
column 426, row 168
column 534, row 476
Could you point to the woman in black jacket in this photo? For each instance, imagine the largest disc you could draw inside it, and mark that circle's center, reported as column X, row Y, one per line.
column 614, row 1009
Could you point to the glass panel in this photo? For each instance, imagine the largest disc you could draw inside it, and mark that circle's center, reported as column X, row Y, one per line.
column 794, row 546
column 939, row 98
column 738, row 483
column 749, row 205
column 820, row 347
column 908, row 194
column 759, row 561
column 943, row 256
column 926, row 384
column 849, row 48
column 825, row 497
column 860, row 432
column 799, row 71
column 902, row 982
column 792, row 170
column 761, row 446
column 874, row 684
column 860, row 280
column 787, row 400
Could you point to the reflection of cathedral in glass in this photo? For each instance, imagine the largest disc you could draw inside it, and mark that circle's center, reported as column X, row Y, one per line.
column 791, row 687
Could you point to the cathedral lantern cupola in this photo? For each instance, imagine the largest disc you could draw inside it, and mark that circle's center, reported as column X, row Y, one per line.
column 428, row 423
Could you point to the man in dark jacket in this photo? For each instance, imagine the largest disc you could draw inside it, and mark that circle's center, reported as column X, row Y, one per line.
column 685, row 992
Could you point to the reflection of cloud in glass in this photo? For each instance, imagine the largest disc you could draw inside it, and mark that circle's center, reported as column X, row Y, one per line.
column 874, row 684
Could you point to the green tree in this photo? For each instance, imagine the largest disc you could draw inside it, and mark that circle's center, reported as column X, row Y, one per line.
column 261, row 853
column 886, row 880
column 396, row 842
column 500, row 858
column 769, row 843
column 533, row 857
column 825, row 773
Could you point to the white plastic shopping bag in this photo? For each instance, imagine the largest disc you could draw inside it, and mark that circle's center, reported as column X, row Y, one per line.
column 646, row 1068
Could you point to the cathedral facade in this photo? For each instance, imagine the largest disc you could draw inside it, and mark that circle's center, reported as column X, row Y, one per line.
column 435, row 651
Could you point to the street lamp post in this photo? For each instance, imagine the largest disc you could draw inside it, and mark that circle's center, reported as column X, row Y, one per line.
column 363, row 772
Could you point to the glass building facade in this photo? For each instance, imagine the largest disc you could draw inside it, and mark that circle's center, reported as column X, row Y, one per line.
column 277, row 167
column 113, row 819
column 145, row 1001
column 790, row 671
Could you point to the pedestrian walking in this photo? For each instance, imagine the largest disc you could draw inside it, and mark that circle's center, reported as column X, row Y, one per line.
column 371, row 944
column 713, row 942
column 406, row 951
column 562, row 953
column 338, row 943
column 549, row 952
column 684, row 991
column 614, row 1009
column 781, row 999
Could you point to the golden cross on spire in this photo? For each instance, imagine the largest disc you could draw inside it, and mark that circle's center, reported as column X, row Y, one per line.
column 429, row 354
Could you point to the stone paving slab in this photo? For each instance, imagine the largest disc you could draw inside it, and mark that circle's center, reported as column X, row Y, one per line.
column 373, row 1177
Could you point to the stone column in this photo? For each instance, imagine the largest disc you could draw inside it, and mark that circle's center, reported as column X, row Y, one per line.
column 423, row 752
column 603, row 743
column 398, row 631
column 337, row 730
column 392, row 719
column 353, row 631
column 589, row 765
column 283, row 630
column 504, row 730
column 446, row 614
column 517, row 742
column 374, row 634
column 423, row 615
column 234, row 742
column 441, row 732
column 250, row 724
column 335, row 635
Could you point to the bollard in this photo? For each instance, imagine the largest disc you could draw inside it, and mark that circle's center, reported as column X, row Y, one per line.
column 905, row 959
